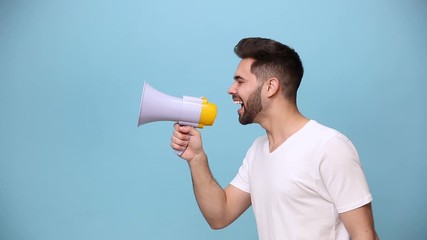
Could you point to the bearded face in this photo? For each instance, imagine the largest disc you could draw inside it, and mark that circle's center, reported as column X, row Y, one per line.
column 251, row 107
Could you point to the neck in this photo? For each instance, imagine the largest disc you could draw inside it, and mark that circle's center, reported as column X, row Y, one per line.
column 280, row 125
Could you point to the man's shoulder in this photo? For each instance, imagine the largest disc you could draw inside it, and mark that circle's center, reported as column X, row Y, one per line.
column 320, row 134
column 321, row 130
column 330, row 136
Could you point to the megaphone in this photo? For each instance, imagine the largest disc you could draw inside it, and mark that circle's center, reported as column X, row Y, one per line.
column 190, row 111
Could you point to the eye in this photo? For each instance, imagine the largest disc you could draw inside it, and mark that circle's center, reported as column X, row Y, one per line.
column 240, row 81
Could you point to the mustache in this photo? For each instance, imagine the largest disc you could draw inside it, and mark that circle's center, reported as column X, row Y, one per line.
column 236, row 97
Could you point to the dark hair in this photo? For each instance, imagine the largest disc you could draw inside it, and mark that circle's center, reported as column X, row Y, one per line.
column 273, row 59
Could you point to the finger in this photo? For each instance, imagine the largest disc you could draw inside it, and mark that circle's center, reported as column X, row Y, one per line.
column 180, row 135
column 182, row 128
column 180, row 138
column 183, row 141
column 178, row 147
column 193, row 131
column 178, row 144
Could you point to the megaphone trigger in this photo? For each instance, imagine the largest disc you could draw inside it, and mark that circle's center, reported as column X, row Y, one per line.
column 179, row 153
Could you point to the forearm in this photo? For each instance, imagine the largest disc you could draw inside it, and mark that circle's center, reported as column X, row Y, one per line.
column 367, row 236
column 210, row 196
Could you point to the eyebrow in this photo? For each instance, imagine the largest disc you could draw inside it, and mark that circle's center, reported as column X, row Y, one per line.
column 238, row 77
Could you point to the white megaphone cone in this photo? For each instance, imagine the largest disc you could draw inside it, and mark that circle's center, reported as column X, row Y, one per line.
column 191, row 111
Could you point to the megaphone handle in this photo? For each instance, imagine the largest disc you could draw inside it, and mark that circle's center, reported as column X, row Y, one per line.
column 179, row 153
column 182, row 123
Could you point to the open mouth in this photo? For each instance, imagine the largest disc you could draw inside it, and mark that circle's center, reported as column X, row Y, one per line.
column 240, row 103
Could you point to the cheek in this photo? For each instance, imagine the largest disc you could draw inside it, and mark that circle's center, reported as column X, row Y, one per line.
column 244, row 92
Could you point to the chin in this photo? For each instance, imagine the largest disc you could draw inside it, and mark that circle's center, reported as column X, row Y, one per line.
column 245, row 121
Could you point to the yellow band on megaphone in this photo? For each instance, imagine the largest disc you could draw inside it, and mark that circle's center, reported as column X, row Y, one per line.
column 208, row 113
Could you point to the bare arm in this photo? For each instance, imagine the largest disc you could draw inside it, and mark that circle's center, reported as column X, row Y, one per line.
column 219, row 206
column 360, row 223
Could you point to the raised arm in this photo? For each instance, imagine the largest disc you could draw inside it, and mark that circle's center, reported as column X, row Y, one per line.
column 219, row 206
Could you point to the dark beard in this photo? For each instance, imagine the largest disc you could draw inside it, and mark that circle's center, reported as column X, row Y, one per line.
column 252, row 107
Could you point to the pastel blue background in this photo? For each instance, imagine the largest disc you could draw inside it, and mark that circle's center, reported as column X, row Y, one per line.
column 73, row 164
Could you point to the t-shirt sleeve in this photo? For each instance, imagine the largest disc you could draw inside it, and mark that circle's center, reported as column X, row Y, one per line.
column 343, row 176
column 241, row 180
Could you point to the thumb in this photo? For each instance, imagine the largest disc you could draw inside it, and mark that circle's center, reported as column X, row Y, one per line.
column 188, row 130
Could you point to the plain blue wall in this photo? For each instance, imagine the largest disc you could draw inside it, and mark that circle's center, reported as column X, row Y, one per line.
column 73, row 164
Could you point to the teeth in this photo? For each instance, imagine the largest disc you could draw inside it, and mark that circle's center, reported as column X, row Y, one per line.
column 238, row 102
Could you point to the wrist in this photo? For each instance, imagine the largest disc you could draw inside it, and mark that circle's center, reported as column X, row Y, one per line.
column 198, row 159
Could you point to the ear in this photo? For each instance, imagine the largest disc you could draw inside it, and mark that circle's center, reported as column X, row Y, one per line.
column 273, row 86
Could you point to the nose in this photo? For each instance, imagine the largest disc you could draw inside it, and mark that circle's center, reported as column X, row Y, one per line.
column 232, row 90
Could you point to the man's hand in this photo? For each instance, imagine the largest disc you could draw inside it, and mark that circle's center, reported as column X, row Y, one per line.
column 188, row 140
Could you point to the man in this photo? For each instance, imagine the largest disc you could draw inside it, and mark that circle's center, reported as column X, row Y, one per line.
column 303, row 180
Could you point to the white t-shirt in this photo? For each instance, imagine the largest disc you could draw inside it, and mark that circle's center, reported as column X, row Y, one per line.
column 298, row 190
